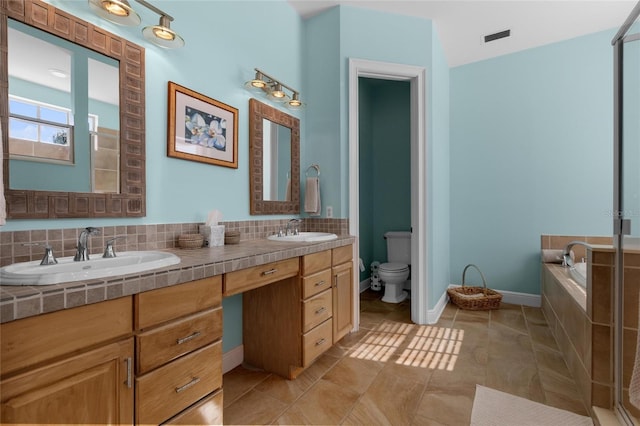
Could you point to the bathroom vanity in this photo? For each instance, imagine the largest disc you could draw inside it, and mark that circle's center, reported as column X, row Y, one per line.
column 154, row 355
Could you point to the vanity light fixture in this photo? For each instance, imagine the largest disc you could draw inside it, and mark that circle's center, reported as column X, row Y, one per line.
column 120, row 12
column 275, row 90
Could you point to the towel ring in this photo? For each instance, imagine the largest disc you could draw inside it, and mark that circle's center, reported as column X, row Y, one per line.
column 313, row 166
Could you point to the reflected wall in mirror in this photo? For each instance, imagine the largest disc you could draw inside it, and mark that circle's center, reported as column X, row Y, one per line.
column 276, row 162
column 71, row 147
column 274, row 158
column 64, row 114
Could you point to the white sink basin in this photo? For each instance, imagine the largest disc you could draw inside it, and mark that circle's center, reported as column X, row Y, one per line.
column 307, row 237
column 128, row 262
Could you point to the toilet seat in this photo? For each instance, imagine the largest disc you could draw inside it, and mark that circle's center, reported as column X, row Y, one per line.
column 393, row 267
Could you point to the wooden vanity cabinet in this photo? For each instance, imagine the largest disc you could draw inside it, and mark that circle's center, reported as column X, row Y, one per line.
column 342, row 285
column 288, row 324
column 179, row 353
column 70, row 367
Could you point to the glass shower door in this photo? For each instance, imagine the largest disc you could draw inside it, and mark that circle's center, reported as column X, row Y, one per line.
column 627, row 223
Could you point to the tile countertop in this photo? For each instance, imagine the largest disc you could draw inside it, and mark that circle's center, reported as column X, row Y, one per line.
column 18, row 302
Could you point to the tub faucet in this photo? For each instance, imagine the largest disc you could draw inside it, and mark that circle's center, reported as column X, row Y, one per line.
column 568, row 261
column 82, row 253
column 296, row 223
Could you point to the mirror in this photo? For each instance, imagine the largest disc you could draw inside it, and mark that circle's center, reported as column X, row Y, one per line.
column 276, row 162
column 274, row 156
column 70, row 149
column 64, row 114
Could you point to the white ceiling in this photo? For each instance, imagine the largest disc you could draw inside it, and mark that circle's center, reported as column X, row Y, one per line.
column 461, row 25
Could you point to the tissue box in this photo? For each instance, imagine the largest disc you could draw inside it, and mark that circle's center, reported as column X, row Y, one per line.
column 213, row 235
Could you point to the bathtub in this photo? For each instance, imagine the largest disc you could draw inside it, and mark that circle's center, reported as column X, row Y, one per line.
column 578, row 272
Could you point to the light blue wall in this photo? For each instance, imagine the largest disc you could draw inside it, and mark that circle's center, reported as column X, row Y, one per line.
column 531, row 154
column 438, row 175
column 385, row 159
column 323, row 144
column 367, row 34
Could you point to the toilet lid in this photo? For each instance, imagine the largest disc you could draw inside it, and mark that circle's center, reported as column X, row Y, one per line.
column 393, row 267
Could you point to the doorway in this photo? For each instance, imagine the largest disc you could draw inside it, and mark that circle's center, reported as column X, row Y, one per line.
column 384, row 161
column 416, row 77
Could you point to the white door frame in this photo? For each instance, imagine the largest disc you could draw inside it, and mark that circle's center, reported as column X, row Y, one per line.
column 417, row 78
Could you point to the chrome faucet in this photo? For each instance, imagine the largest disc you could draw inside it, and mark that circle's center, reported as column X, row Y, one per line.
column 82, row 253
column 568, row 261
column 295, row 231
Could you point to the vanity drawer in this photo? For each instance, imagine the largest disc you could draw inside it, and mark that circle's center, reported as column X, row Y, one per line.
column 157, row 306
column 315, row 262
column 257, row 276
column 175, row 386
column 316, row 342
column 316, row 310
column 342, row 254
column 163, row 344
column 205, row 412
column 32, row 340
column 316, row 283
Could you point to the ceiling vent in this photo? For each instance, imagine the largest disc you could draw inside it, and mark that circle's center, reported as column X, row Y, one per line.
column 497, row 36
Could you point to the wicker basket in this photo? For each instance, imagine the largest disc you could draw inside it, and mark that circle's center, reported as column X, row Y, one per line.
column 475, row 298
column 190, row 241
column 232, row 237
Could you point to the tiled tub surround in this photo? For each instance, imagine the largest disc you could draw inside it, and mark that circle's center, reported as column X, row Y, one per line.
column 584, row 327
column 24, row 301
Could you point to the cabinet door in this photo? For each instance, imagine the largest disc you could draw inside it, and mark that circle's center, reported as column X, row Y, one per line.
column 342, row 300
column 91, row 388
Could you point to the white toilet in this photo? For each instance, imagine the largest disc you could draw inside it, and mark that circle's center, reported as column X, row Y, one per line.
column 395, row 272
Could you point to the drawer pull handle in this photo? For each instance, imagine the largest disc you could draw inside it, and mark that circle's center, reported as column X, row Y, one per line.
column 319, row 283
column 186, row 339
column 321, row 341
column 129, row 372
column 188, row 385
column 320, row 310
column 269, row 272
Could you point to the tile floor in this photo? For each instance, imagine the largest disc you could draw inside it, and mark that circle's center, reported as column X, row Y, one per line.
column 395, row 372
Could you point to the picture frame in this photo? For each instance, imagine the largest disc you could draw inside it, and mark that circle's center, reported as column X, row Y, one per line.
column 201, row 128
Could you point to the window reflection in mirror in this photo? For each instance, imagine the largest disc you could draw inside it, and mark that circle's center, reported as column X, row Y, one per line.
column 63, row 114
column 276, row 162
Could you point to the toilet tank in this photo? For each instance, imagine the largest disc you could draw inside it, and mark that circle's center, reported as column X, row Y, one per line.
column 398, row 246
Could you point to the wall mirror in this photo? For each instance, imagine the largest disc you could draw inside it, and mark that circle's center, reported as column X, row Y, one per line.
column 71, row 147
column 274, row 156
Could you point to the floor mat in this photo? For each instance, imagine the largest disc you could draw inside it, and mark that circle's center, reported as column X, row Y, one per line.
column 495, row 408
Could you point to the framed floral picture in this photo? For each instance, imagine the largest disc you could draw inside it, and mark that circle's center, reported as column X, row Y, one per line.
column 201, row 128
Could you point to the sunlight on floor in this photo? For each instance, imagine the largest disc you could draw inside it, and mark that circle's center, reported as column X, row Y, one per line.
column 436, row 348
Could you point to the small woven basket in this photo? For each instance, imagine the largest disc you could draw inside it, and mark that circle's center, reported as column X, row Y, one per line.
column 474, row 298
column 190, row 241
column 232, row 237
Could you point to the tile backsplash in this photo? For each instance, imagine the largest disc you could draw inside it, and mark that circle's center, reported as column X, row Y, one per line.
column 24, row 246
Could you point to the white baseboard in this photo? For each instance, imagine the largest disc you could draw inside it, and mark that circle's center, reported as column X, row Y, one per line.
column 515, row 298
column 433, row 315
column 233, row 358
column 526, row 299
column 365, row 284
